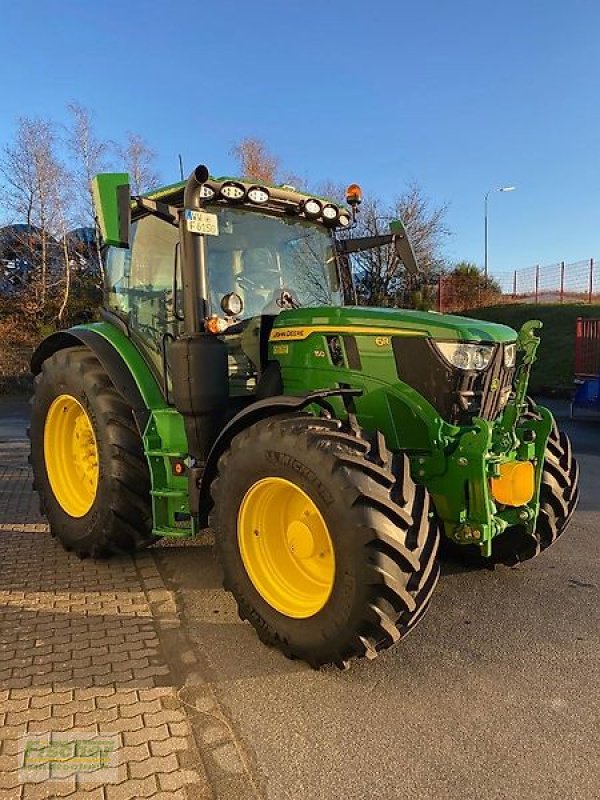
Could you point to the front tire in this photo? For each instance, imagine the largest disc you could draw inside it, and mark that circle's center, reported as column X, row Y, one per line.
column 328, row 546
column 87, row 457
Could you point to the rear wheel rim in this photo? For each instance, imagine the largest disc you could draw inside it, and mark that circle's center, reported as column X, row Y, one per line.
column 71, row 455
column 286, row 547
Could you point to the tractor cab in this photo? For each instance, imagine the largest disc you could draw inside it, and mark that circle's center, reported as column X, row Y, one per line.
column 262, row 250
column 240, row 253
column 258, row 266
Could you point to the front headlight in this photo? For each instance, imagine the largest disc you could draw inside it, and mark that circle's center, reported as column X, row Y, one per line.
column 510, row 355
column 466, row 356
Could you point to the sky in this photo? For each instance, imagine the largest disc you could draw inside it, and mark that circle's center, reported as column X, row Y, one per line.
column 460, row 96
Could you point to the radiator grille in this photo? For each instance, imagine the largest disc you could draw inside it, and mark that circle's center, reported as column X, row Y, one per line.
column 458, row 396
column 492, row 388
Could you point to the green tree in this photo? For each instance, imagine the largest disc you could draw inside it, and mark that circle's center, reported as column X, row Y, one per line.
column 466, row 286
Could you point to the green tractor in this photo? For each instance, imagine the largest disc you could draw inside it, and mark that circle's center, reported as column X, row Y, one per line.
column 234, row 383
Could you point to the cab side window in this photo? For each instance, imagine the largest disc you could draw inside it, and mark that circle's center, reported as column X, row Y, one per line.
column 150, row 289
column 117, row 265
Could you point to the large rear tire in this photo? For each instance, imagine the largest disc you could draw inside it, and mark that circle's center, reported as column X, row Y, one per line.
column 87, row 457
column 328, row 546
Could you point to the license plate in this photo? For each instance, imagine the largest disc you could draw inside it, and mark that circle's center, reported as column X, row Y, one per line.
column 201, row 222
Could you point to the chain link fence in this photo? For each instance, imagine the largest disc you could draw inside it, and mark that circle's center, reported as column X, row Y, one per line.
column 578, row 282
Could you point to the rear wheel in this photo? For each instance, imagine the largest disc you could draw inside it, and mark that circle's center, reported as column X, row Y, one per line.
column 327, row 545
column 87, row 457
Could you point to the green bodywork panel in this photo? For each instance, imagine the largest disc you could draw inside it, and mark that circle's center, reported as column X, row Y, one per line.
column 164, row 439
column 445, row 327
column 405, row 417
column 144, row 379
column 104, row 191
column 455, row 463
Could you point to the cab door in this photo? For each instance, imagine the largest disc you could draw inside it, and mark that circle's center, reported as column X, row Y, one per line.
column 140, row 286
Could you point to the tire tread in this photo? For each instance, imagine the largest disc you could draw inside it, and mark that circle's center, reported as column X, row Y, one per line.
column 400, row 535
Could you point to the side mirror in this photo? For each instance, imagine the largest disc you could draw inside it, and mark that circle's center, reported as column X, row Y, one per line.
column 402, row 246
column 112, row 202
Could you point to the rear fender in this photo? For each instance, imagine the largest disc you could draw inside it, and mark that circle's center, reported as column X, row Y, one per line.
column 121, row 359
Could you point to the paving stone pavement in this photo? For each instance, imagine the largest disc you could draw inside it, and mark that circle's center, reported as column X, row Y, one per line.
column 95, row 648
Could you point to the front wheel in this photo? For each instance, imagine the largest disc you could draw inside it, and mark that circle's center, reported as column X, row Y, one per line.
column 327, row 545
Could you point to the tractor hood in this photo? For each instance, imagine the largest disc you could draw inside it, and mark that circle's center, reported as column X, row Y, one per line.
column 297, row 324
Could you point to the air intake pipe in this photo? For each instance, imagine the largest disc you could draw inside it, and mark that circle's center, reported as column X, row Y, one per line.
column 194, row 278
column 197, row 360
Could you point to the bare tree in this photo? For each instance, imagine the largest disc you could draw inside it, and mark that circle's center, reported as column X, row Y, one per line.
column 332, row 191
column 34, row 182
column 67, row 273
column 254, row 160
column 139, row 160
column 89, row 156
column 256, row 163
column 64, row 216
column 380, row 277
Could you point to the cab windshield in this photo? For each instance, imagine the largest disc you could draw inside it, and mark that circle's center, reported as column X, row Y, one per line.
column 263, row 258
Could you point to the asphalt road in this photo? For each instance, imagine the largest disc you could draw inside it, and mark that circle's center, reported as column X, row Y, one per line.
column 495, row 695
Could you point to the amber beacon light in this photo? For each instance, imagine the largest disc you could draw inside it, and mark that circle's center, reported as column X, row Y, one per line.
column 354, row 195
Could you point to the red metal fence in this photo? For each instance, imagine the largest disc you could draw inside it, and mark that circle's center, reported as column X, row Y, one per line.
column 578, row 282
column 587, row 348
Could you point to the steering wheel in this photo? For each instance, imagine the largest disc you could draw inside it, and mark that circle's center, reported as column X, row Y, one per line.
column 287, row 298
column 281, row 299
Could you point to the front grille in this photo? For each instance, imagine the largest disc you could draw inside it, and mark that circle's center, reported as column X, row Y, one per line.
column 484, row 394
column 458, row 396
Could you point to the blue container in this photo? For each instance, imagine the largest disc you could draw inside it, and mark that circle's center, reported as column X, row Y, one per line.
column 587, row 395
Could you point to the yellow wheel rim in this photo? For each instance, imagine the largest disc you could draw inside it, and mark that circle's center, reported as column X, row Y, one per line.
column 286, row 548
column 71, row 455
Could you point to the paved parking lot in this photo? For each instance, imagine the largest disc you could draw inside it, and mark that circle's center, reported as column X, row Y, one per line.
column 96, row 649
column 496, row 694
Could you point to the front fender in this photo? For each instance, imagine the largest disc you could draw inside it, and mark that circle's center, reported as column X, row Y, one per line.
column 200, row 501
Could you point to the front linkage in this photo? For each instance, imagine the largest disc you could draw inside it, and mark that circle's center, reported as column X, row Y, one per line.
column 460, row 470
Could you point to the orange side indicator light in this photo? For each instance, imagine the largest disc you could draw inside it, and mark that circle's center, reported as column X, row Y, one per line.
column 216, row 325
column 516, row 483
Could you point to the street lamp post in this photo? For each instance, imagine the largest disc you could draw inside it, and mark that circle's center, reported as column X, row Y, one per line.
column 485, row 204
